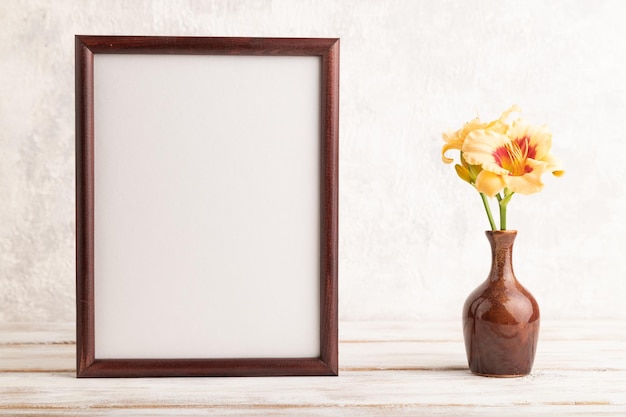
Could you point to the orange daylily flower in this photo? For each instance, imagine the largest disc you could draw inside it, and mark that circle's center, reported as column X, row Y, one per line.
column 515, row 159
column 500, row 159
column 455, row 140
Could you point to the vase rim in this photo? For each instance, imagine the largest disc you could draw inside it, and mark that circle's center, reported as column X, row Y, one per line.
column 501, row 231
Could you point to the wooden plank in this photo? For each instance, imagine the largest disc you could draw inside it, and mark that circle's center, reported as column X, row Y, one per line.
column 518, row 410
column 355, row 331
column 352, row 389
column 428, row 331
column 442, row 355
column 400, row 369
column 37, row 333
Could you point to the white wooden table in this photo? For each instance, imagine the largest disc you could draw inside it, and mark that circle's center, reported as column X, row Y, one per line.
column 386, row 369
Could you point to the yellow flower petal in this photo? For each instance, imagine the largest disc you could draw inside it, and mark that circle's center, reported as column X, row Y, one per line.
column 454, row 140
column 539, row 138
column 554, row 166
column 479, row 149
column 464, row 162
column 463, row 173
column 446, row 148
column 528, row 183
column 524, row 184
column 500, row 125
column 489, row 183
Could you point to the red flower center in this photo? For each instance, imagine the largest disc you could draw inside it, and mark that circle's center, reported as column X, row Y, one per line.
column 514, row 154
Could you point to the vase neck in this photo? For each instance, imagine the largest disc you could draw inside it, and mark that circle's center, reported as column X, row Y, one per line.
column 501, row 242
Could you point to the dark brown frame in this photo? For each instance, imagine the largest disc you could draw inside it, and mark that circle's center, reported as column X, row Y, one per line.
column 87, row 364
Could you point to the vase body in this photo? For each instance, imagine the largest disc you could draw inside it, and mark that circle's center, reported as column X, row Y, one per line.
column 501, row 317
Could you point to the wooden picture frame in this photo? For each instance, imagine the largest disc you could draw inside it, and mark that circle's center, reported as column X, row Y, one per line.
column 206, row 206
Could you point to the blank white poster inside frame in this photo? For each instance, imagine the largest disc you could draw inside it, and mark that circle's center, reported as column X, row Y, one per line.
column 209, row 235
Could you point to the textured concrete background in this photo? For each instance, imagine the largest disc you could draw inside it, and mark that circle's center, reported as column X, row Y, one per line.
column 412, row 243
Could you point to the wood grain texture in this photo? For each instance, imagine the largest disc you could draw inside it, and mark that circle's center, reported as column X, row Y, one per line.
column 329, row 207
column 198, row 45
column 84, row 96
column 400, row 369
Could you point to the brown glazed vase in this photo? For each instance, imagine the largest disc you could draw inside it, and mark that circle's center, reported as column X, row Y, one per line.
column 500, row 317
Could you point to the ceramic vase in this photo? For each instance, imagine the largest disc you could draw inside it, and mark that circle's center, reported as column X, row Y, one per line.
column 501, row 317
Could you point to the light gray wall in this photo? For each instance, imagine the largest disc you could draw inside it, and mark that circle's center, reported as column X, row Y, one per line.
column 412, row 243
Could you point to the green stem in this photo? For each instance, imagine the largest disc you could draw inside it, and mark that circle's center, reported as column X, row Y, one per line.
column 502, row 219
column 488, row 210
column 503, row 202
